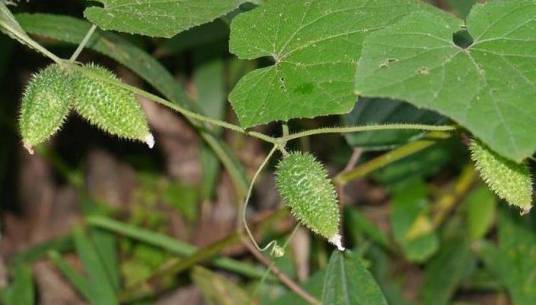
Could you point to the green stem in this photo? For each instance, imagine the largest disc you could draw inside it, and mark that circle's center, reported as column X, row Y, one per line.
column 390, row 157
column 83, row 44
column 25, row 39
column 352, row 129
column 179, row 109
column 248, row 196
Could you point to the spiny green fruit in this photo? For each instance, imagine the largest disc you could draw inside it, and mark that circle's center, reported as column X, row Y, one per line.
column 108, row 106
column 306, row 189
column 511, row 181
column 45, row 105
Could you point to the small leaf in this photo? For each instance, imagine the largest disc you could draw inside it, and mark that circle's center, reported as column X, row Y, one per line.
column 481, row 209
column 348, row 282
column 45, row 105
column 304, row 186
column 155, row 17
column 487, row 86
column 511, row 181
column 108, row 106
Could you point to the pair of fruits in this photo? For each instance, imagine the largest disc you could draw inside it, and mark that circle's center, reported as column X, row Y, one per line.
column 90, row 91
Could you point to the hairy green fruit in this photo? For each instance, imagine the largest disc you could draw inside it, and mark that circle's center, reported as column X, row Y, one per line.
column 511, row 181
column 45, row 105
column 306, row 189
column 108, row 106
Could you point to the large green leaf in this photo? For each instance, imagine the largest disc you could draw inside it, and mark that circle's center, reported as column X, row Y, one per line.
column 513, row 261
column 156, row 17
column 487, row 87
column 314, row 45
column 348, row 282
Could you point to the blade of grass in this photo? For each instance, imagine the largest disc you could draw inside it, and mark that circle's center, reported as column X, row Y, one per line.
column 100, row 283
column 77, row 280
column 22, row 290
column 170, row 244
column 106, row 246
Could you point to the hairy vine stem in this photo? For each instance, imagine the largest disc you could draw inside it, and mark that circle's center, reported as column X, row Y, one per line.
column 83, row 43
column 352, row 129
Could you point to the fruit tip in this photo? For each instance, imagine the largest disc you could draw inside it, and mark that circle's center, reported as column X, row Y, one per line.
column 525, row 211
column 336, row 240
column 149, row 140
column 29, row 148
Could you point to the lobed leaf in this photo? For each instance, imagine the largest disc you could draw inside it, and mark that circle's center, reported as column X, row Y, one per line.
column 487, row 87
column 315, row 46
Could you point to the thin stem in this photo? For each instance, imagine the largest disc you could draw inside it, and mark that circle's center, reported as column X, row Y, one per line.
column 280, row 275
column 181, row 110
column 25, row 39
column 268, row 270
column 83, row 44
column 352, row 129
column 389, row 157
column 248, row 196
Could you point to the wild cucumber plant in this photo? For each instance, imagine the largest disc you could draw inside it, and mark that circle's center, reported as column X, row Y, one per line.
column 326, row 55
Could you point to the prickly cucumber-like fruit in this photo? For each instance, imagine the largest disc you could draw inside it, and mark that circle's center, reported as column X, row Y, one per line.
column 45, row 105
column 511, row 181
column 306, row 189
column 108, row 106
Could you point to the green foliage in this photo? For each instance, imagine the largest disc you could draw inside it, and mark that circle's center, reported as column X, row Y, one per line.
column 156, row 17
column 416, row 60
column 446, row 271
column 410, row 221
column 21, row 291
column 481, row 207
column 348, row 282
column 408, row 55
column 305, row 188
column 314, row 45
column 513, row 261
column 509, row 180
column 109, row 107
column 45, row 105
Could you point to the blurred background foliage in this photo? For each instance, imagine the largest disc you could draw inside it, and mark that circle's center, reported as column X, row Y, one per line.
column 95, row 220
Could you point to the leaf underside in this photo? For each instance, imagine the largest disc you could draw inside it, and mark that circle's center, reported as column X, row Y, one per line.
column 155, row 17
